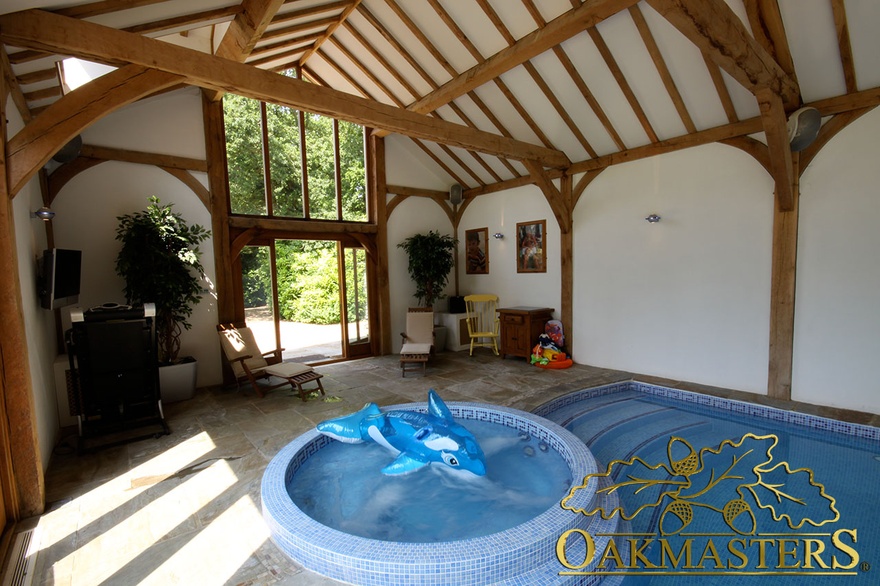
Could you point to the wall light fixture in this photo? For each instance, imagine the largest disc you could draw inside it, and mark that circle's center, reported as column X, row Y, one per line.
column 44, row 213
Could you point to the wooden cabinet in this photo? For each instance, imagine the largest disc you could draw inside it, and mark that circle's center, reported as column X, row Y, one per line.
column 520, row 328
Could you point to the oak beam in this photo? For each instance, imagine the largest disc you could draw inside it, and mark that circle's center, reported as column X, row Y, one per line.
column 45, row 31
column 246, row 29
column 144, row 158
column 560, row 29
column 35, row 144
column 678, row 143
column 310, row 226
column 13, row 86
column 714, row 28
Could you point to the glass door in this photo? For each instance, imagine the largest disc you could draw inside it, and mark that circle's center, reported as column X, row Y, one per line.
column 355, row 302
column 308, row 297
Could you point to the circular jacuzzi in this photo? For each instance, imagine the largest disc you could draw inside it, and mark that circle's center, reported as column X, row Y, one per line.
column 523, row 554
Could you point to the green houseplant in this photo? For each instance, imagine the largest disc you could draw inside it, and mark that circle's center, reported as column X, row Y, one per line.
column 430, row 262
column 160, row 262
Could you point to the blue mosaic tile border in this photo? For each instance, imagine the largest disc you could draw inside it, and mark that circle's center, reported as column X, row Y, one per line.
column 813, row 422
column 502, row 558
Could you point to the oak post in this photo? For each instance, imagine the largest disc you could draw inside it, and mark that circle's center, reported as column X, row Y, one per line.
column 782, row 293
column 21, row 467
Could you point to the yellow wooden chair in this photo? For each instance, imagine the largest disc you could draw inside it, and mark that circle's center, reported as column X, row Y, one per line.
column 482, row 321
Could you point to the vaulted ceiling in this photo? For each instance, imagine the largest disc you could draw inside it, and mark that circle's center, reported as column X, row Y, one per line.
column 496, row 90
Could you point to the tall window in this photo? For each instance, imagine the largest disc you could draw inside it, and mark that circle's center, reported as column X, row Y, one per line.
column 269, row 174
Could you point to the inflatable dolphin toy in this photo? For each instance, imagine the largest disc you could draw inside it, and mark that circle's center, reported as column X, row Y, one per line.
column 418, row 439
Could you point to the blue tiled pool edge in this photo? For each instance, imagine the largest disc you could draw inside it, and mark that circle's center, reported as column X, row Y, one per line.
column 806, row 420
column 525, row 552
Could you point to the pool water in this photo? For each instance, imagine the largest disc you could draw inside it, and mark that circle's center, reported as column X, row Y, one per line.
column 524, row 478
column 622, row 425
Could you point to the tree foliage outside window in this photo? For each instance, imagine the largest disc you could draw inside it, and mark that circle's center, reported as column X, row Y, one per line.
column 285, row 161
column 247, row 178
column 244, row 155
column 308, row 281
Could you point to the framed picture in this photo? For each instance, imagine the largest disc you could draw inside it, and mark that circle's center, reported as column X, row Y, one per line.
column 477, row 249
column 531, row 254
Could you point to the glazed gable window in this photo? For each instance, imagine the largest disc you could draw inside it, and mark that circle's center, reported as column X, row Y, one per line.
column 288, row 163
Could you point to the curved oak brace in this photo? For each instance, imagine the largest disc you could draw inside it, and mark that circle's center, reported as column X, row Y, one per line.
column 368, row 243
column 578, row 190
column 35, row 144
column 241, row 241
column 187, row 179
column 756, row 148
column 554, row 197
column 395, row 201
column 459, row 212
column 828, row 131
column 441, row 201
column 68, row 171
column 63, row 174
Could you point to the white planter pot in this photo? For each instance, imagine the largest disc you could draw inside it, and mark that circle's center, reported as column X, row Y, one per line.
column 177, row 382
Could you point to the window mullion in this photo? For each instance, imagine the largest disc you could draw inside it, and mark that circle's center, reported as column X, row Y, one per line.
column 267, row 168
column 337, row 169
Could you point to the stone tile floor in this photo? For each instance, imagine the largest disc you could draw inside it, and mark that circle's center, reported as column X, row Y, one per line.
column 185, row 508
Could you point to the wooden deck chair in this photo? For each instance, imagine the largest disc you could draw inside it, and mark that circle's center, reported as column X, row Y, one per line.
column 482, row 321
column 245, row 358
column 418, row 339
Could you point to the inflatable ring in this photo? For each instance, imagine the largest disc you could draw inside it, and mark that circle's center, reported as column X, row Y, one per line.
column 556, row 364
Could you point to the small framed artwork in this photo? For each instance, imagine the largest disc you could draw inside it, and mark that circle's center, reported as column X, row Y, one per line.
column 477, row 249
column 531, row 254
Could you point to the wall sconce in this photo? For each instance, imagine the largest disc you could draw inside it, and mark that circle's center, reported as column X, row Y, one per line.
column 44, row 213
column 498, row 235
column 653, row 219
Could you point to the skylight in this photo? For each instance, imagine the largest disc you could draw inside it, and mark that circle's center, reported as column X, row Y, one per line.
column 76, row 72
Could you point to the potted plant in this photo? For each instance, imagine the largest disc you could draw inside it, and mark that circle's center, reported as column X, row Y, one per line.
column 160, row 262
column 430, row 262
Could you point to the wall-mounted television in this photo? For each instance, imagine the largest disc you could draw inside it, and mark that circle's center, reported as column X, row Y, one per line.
column 60, row 277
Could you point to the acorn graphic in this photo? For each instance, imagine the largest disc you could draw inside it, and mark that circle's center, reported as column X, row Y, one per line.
column 687, row 465
column 680, row 510
column 736, row 520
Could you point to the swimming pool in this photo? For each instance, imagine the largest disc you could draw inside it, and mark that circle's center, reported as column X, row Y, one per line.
column 825, row 524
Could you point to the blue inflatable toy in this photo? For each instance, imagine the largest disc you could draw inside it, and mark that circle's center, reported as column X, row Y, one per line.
column 418, row 439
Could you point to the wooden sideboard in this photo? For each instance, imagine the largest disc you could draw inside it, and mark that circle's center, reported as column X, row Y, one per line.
column 520, row 328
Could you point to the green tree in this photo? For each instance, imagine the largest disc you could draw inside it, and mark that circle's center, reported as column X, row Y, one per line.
column 244, row 155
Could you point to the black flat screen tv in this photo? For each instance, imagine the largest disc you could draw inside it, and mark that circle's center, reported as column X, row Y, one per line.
column 60, row 277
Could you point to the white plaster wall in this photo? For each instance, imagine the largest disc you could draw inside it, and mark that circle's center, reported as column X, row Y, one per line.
column 415, row 215
column 686, row 298
column 30, row 240
column 87, row 207
column 837, row 319
column 409, row 166
column 500, row 212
